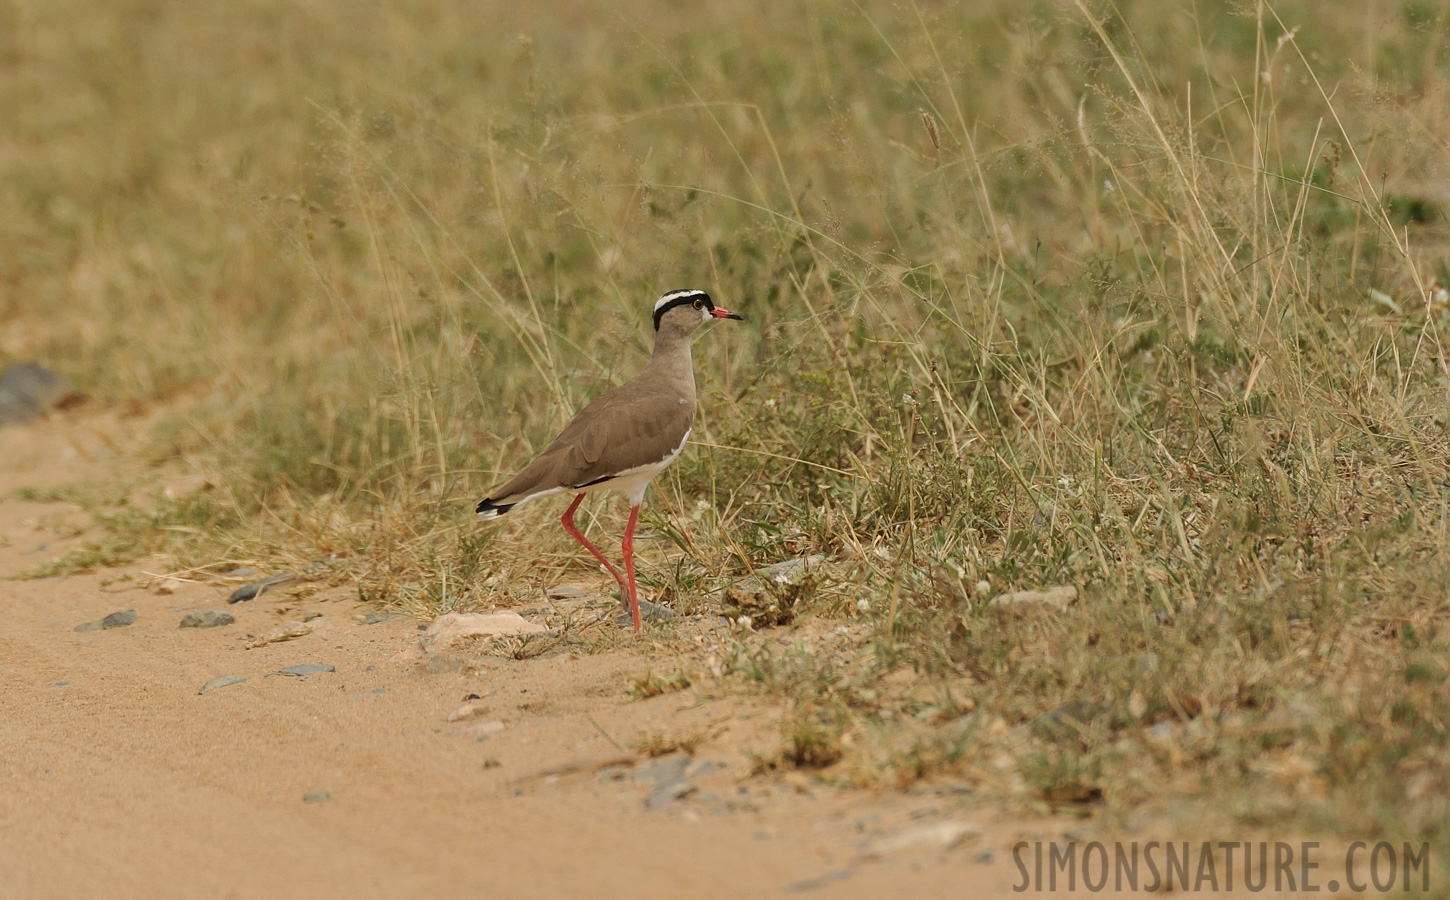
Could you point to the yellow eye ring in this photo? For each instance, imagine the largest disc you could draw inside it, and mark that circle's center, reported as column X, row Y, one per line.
column 699, row 304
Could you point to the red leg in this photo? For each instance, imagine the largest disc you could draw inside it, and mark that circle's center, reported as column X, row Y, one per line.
column 568, row 521
column 628, row 547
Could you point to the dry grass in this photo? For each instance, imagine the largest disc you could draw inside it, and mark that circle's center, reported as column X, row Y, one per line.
column 1146, row 299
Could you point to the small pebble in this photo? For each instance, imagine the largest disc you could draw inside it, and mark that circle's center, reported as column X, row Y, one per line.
column 317, row 797
column 207, row 618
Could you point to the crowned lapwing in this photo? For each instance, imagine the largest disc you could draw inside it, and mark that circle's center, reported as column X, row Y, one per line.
column 625, row 438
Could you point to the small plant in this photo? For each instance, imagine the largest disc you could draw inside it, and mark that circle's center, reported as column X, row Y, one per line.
column 1063, row 779
column 810, row 739
column 661, row 744
column 651, row 685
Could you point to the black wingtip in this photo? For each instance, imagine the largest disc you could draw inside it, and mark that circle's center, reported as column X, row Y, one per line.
column 492, row 510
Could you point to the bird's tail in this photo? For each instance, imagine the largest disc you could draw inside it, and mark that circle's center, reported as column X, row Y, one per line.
column 490, row 510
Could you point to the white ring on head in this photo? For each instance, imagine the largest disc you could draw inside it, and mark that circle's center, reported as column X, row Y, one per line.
column 675, row 295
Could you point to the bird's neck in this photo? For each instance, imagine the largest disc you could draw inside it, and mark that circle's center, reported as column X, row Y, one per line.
column 671, row 359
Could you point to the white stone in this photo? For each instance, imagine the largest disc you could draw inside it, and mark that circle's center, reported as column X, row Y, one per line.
column 454, row 628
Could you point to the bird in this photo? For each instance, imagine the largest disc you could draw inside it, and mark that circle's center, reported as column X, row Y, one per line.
column 624, row 438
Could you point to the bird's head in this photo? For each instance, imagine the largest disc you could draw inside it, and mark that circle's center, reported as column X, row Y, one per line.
column 687, row 310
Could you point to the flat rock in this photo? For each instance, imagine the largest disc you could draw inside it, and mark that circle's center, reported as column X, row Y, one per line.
column 304, row 669
column 454, row 628
column 317, row 797
column 376, row 617
column 820, row 881
column 566, row 592
column 114, row 620
column 937, row 836
column 287, row 631
column 482, row 729
column 221, row 681
column 207, row 618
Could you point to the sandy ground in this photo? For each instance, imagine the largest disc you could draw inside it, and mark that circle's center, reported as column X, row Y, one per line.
column 117, row 779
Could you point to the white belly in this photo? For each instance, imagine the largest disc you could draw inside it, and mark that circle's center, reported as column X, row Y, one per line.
column 632, row 482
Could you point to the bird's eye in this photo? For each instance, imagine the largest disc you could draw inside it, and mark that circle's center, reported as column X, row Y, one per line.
column 699, row 304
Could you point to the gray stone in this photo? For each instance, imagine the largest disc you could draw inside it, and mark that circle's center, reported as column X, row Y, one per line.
column 207, row 618
column 376, row 617
column 790, row 571
column 258, row 588
column 28, row 390
column 119, row 619
column 303, row 669
column 665, row 770
column 317, row 797
column 221, row 681
column 114, row 620
column 811, row 884
column 648, row 612
column 668, row 793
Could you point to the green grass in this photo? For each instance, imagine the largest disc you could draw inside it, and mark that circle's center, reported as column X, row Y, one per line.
column 1146, row 299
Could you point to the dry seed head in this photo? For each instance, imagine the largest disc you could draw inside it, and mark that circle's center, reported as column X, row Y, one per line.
column 930, row 122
